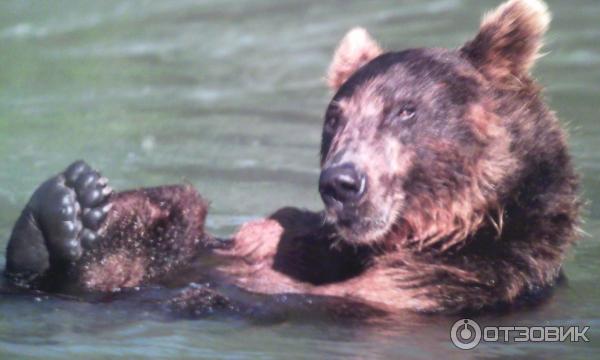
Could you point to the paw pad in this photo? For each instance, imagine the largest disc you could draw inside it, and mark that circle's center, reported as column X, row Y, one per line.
column 71, row 207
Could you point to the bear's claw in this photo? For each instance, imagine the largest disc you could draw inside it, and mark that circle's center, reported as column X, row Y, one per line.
column 60, row 221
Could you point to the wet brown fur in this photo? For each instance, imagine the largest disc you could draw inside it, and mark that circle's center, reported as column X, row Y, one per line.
column 148, row 233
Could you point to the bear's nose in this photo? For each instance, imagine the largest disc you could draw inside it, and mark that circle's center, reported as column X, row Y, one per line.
column 342, row 183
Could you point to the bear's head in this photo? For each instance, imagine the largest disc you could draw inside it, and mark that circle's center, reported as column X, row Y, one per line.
column 414, row 143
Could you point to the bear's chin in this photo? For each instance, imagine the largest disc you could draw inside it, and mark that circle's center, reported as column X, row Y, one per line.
column 362, row 230
column 362, row 225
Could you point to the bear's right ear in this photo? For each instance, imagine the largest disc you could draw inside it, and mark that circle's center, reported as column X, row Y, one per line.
column 355, row 50
column 509, row 40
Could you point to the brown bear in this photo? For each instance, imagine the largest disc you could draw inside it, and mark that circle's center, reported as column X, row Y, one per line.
column 447, row 184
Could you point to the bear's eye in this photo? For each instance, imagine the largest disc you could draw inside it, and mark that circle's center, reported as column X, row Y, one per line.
column 331, row 123
column 332, row 119
column 406, row 112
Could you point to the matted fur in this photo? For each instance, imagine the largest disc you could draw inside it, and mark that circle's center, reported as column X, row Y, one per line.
column 452, row 219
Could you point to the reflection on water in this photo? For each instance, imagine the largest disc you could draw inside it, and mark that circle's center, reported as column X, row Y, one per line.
column 228, row 96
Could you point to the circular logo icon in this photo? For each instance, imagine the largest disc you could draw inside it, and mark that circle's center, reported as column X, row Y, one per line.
column 465, row 334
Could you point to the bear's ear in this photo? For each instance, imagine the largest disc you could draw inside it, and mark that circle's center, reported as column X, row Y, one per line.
column 355, row 50
column 509, row 40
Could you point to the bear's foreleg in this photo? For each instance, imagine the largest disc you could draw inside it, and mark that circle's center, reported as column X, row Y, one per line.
column 75, row 233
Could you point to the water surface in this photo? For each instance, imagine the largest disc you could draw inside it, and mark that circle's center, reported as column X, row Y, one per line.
column 229, row 96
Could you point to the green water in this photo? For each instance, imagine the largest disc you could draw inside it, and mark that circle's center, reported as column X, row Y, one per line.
column 229, row 96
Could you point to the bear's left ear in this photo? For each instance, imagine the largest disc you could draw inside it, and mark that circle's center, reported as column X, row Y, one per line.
column 509, row 40
column 355, row 50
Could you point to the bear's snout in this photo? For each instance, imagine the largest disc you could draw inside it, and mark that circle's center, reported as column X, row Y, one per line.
column 341, row 185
